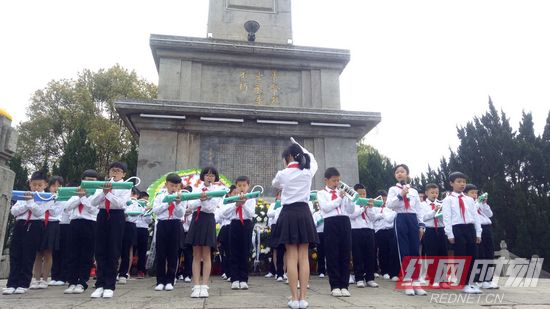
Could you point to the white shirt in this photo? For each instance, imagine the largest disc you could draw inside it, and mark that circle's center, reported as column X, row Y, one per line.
column 396, row 203
column 161, row 209
column 186, row 220
column 142, row 222
column 319, row 221
column 337, row 207
column 134, row 207
column 249, row 208
column 271, row 214
column 295, row 183
column 55, row 210
column 209, row 205
column 117, row 197
column 452, row 215
column 429, row 214
column 383, row 218
column 362, row 218
column 89, row 210
column 221, row 218
column 65, row 215
column 484, row 212
column 20, row 210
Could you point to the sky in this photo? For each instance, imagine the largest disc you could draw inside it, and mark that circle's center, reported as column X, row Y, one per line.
column 426, row 66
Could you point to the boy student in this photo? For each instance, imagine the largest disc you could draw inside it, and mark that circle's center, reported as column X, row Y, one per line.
column 386, row 245
column 142, row 227
column 168, row 233
column 26, row 236
column 435, row 241
column 362, row 242
column 335, row 208
column 224, row 235
column 82, row 214
column 240, row 231
column 462, row 225
column 110, row 229
column 485, row 249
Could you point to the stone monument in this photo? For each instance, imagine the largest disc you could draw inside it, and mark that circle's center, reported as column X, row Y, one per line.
column 234, row 98
column 8, row 144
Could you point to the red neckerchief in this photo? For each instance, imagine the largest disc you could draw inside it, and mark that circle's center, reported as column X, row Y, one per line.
column 239, row 211
column 171, row 210
column 204, row 189
column 435, row 219
column 333, row 197
column 405, row 199
column 293, row 165
column 462, row 206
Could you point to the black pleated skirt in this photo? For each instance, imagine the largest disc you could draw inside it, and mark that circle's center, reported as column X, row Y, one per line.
column 50, row 239
column 295, row 226
column 202, row 231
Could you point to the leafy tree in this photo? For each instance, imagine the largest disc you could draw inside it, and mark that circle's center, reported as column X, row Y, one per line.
column 21, row 173
column 79, row 155
column 375, row 170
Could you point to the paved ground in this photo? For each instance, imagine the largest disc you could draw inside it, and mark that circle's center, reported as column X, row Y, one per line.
column 266, row 293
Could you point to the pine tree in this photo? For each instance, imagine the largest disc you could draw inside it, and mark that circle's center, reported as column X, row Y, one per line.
column 21, row 173
column 78, row 156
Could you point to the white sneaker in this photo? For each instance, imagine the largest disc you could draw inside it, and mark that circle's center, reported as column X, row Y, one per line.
column 42, row 285
column 351, row 279
column 376, row 275
column 469, row 289
column 409, row 292
column 345, row 293
column 108, row 293
column 79, row 289
column 243, row 285
column 196, row 291
column 97, row 293
column 477, row 290
column 269, row 275
column 8, row 291
column 187, row 279
column 420, row 291
column 280, row 279
column 122, row 280
column 20, row 291
column 52, row 282
column 235, row 285
column 60, row 283
column 386, row 276
column 294, row 304
column 303, row 304
column 395, row 279
column 168, row 287
column 286, row 280
column 70, row 289
column 372, row 284
column 298, row 285
column 285, row 276
column 159, row 287
column 34, row 285
column 228, row 279
column 204, row 291
column 489, row 285
column 321, row 275
column 180, row 277
column 224, row 276
column 336, row 293
column 360, row 284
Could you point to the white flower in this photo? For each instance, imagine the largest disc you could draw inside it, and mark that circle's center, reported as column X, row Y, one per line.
column 255, row 215
column 262, row 213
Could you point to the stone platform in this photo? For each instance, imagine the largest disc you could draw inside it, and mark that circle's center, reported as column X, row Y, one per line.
column 266, row 293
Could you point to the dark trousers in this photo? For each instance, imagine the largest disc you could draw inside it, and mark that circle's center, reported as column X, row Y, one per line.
column 240, row 243
column 465, row 244
column 142, row 242
column 61, row 256
column 185, row 269
column 108, row 244
column 408, row 240
column 388, row 258
column 435, row 242
column 225, row 250
column 486, row 249
column 362, row 250
column 337, row 232
column 321, row 260
column 25, row 242
column 82, row 234
column 168, row 240
column 128, row 238
column 280, row 267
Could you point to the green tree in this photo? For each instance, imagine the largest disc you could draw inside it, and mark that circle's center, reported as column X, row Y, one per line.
column 21, row 173
column 79, row 155
column 375, row 170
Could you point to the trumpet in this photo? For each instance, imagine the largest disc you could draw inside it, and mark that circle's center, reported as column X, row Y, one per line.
column 193, row 195
column 348, row 191
column 17, row 195
column 482, row 198
column 438, row 214
column 376, row 202
column 252, row 194
column 123, row 185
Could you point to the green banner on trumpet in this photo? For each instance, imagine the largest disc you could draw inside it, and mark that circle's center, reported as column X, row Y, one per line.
column 482, row 198
column 194, row 196
column 235, row 198
column 313, row 196
column 365, row 202
column 123, row 185
column 65, row 193
column 277, row 204
column 141, row 203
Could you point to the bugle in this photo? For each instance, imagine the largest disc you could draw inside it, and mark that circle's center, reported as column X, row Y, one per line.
column 17, row 195
column 251, row 194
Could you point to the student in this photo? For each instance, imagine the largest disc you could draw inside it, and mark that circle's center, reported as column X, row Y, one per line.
column 278, row 262
column 50, row 238
column 224, row 235
column 485, row 249
column 110, row 229
column 82, row 234
column 386, row 245
column 142, row 231
column 202, row 231
column 320, row 226
column 435, row 241
column 61, row 257
column 362, row 242
column 129, row 237
column 462, row 225
column 240, row 231
column 26, row 236
column 295, row 227
column 335, row 208
column 405, row 202
column 168, row 233
column 185, row 249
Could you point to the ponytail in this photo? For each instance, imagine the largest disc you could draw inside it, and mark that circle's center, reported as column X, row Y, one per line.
column 298, row 155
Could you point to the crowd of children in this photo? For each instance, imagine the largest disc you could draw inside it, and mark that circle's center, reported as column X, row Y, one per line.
column 111, row 225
